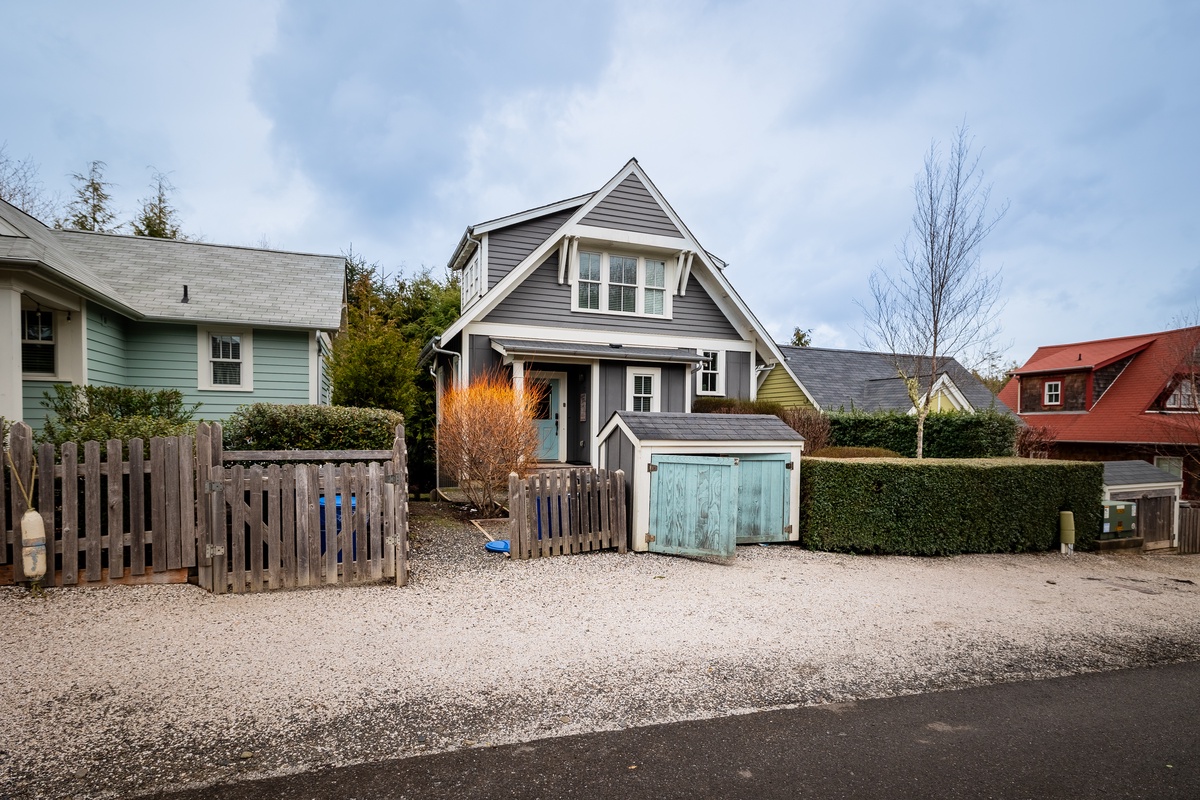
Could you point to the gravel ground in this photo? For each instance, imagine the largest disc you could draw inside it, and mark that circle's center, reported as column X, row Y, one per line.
column 122, row 691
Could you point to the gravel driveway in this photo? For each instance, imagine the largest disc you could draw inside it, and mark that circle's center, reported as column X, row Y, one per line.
column 120, row 691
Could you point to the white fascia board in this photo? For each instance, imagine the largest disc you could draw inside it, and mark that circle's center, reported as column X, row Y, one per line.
column 525, row 216
column 1176, row 486
column 614, row 236
column 727, row 447
column 945, row 384
column 508, row 330
column 616, row 422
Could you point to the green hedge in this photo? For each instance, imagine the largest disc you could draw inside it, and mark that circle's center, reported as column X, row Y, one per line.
column 99, row 413
column 985, row 434
column 729, row 405
column 263, row 426
column 943, row 507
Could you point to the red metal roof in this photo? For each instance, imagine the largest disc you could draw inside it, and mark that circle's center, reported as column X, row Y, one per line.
column 1120, row 415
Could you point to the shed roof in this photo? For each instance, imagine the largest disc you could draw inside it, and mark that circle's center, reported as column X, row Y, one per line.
column 1133, row 473
column 606, row 351
column 674, row 426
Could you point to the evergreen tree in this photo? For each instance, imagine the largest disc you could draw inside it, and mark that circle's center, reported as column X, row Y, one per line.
column 90, row 210
column 158, row 218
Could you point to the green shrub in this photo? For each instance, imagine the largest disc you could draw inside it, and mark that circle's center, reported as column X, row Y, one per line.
column 984, row 434
column 99, row 413
column 943, row 507
column 264, row 426
column 854, row 452
column 729, row 405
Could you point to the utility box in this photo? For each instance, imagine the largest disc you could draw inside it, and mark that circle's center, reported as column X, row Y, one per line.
column 1120, row 519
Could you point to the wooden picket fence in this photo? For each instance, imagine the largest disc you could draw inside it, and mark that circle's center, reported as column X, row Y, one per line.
column 118, row 517
column 1189, row 528
column 277, row 527
column 564, row 511
column 108, row 519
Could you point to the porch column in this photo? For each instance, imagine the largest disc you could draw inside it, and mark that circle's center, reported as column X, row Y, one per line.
column 518, row 366
column 11, row 398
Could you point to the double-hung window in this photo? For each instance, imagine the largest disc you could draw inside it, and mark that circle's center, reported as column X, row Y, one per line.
column 1184, row 397
column 226, row 362
column 622, row 284
column 37, row 342
column 711, row 375
column 656, row 285
column 644, row 391
column 1052, row 393
column 589, row 281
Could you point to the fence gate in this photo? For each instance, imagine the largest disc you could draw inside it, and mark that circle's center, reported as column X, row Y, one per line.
column 693, row 505
column 1155, row 519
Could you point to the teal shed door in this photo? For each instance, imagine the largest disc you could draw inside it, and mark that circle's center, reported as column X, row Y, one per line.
column 764, row 498
column 693, row 505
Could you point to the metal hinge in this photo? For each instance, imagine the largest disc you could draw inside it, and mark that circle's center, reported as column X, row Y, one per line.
column 787, row 528
column 652, row 468
column 649, row 537
column 213, row 550
column 395, row 479
column 214, row 486
column 790, row 465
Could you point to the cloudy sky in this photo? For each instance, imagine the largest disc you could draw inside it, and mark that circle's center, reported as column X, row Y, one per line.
column 786, row 134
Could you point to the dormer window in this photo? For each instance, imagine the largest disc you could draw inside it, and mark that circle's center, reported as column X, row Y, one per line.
column 1185, row 396
column 620, row 283
column 472, row 280
column 1052, row 393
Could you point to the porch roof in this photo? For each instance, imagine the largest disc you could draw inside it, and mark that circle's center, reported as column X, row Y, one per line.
column 530, row 347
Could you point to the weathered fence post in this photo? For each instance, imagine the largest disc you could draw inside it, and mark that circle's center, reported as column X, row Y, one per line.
column 400, row 494
column 204, row 534
column 20, row 440
column 621, row 521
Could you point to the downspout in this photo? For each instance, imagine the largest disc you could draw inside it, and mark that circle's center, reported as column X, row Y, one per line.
column 433, row 348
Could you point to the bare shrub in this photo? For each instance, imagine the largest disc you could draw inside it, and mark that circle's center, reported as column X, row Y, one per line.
column 487, row 431
column 809, row 423
column 1034, row 441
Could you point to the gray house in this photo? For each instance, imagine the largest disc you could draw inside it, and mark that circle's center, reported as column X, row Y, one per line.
column 224, row 325
column 610, row 302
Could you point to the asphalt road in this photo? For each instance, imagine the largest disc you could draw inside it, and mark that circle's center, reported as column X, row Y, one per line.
column 1125, row 734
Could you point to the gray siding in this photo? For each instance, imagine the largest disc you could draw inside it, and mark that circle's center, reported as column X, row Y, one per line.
column 737, row 375
column 483, row 357
column 540, row 300
column 630, row 207
column 509, row 246
column 618, row 454
column 612, row 387
column 674, row 380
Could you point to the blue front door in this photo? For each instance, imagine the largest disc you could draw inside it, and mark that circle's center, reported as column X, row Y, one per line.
column 547, row 420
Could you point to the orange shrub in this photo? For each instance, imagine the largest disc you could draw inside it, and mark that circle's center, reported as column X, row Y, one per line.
column 487, row 431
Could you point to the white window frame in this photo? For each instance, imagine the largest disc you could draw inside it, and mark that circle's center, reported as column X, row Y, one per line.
column 1057, row 392
column 1171, row 464
column 1181, row 400
column 598, row 282
column 472, row 279
column 720, row 373
column 52, row 341
column 204, row 361
column 656, row 387
column 606, row 283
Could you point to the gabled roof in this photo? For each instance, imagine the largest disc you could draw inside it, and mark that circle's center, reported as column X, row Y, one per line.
column 867, row 381
column 144, row 277
column 683, row 427
column 710, row 268
column 1084, row 355
column 1135, row 473
column 1122, row 414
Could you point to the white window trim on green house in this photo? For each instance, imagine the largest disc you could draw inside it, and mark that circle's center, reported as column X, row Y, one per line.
column 69, row 337
column 205, row 359
column 655, row 394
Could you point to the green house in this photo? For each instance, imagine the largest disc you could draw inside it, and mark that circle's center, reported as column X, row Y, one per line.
column 224, row 325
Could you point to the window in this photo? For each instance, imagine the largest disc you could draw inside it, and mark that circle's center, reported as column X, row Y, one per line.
column 613, row 283
column 1184, row 397
column 622, row 284
column 1052, row 394
column 644, row 393
column 37, row 342
column 225, row 361
column 656, row 284
column 589, row 280
column 472, row 280
column 1171, row 464
column 712, row 379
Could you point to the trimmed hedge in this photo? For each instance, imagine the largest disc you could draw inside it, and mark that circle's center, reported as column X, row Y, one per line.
column 264, row 426
column 729, row 405
column 945, row 507
column 99, row 413
column 984, row 434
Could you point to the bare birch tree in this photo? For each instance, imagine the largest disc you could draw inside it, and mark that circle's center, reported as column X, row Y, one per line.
column 939, row 302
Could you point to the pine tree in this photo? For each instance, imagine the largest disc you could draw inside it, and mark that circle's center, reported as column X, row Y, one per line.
column 158, row 218
column 90, row 210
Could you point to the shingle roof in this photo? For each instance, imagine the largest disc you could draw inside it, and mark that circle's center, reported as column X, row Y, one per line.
column 233, row 284
column 606, row 351
column 1122, row 413
column 1132, row 473
column 867, row 381
column 707, row 427
column 1084, row 355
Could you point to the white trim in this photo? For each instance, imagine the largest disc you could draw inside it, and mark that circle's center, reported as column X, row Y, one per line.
column 594, row 412
column 618, row 237
column 483, row 264
column 508, row 330
column 720, row 371
column 314, row 369
column 525, row 216
column 944, row 384
column 1046, row 393
column 640, row 286
column 561, row 411
column 204, row 358
column 656, row 387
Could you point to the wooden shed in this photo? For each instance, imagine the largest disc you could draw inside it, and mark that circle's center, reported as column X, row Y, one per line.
column 699, row 484
column 1156, row 494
